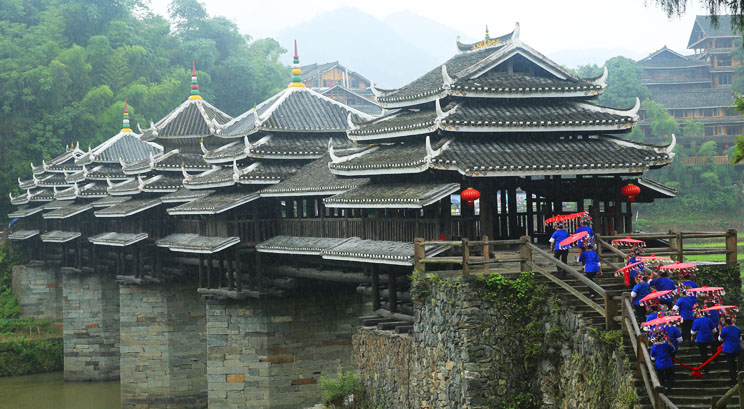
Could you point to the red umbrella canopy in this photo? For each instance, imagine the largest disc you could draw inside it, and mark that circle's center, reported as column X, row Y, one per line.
column 573, row 238
column 704, row 289
column 668, row 320
column 678, row 266
column 655, row 294
column 630, row 267
column 721, row 307
column 628, row 242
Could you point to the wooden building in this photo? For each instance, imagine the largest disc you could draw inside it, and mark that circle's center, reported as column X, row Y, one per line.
column 341, row 84
column 302, row 186
column 697, row 87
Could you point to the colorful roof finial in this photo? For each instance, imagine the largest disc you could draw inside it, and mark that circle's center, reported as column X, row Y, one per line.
column 194, row 83
column 296, row 72
column 125, row 122
column 487, row 36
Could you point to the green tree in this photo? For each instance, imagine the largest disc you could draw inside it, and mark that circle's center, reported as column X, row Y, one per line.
column 662, row 123
column 623, row 83
column 693, row 128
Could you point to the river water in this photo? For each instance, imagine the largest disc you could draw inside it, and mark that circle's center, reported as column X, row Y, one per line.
column 49, row 391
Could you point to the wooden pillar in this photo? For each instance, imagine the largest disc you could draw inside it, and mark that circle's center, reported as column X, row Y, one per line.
column 141, row 260
column 209, row 271
column 230, row 273
column 158, row 262
column 259, row 272
column 731, row 251
column 525, row 252
column 619, row 225
column 465, row 257
column 530, row 215
column 238, row 271
column 419, row 253
column 487, row 202
column 201, row 271
column 540, row 217
column 375, row 278
column 628, row 218
column 513, row 221
column 79, row 252
column 222, row 269
column 503, row 221
column 392, row 292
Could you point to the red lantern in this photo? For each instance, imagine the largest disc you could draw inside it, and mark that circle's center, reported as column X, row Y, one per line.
column 470, row 195
column 630, row 191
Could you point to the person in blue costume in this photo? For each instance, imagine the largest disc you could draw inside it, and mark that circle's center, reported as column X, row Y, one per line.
column 703, row 330
column 661, row 354
column 633, row 258
column 560, row 252
column 687, row 280
column 591, row 263
column 589, row 239
column 640, row 290
column 663, row 283
column 684, row 306
column 714, row 316
column 730, row 337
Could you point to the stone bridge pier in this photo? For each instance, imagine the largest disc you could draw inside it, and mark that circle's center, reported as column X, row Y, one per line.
column 270, row 353
column 90, row 306
column 38, row 288
column 163, row 346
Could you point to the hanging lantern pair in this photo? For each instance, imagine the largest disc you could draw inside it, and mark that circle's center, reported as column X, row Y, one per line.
column 470, row 195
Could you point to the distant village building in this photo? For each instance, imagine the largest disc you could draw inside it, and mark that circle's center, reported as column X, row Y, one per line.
column 697, row 87
column 341, row 84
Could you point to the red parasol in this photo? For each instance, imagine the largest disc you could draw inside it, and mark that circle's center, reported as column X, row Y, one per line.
column 573, row 238
column 670, row 319
column 678, row 266
column 656, row 259
column 625, row 271
column 704, row 289
column 571, row 217
column 655, row 294
column 628, row 242
column 721, row 307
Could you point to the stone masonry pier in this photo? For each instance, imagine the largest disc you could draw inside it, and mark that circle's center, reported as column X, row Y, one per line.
column 271, row 353
column 91, row 326
column 38, row 288
column 163, row 347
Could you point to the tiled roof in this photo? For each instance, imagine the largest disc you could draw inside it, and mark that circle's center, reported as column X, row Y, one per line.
column 110, row 201
column 57, row 204
column 165, row 183
column 128, row 208
column 184, row 195
column 52, row 179
column 214, row 203
column 281, row 145
column 25, row 211
column 534, row 155
column 42, row 195
column 21, row 199
column 104, row 171
column 312, row 246
column 129, row 187
column 193, row 243
column 117, row 239
column 295, row 109
column 362, row 102
column 694, row 98
column 312, row 71
column 666, row 58
column 68, row 166
column 401, row 123
column 93, row 190
column 125, row 146
column 194, row 118
column 68, row 211
column 58, row 236
column 496, row 41
column 516, row 116
column 266, row 172
column 313, row 179
column 725, row 27
column 402, row 157
column 173, row 160
column 496, row 84
column 415, row 195
column 26, row 184
column 22, row 235
column 375, row 251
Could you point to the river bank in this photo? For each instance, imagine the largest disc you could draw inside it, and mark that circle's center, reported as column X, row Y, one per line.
column 50, row 391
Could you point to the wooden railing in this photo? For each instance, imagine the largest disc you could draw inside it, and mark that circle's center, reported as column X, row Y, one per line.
column 644, row 365
column 478, row 255
column 676, row 249
column 737, row 389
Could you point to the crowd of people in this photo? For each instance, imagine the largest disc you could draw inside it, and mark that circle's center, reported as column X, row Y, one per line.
column 672, row 312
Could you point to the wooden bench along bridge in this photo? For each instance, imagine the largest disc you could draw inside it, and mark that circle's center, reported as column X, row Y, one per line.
column 605, row 302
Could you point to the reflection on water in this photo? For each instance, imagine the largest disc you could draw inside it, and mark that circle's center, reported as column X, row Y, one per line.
column 49, row 391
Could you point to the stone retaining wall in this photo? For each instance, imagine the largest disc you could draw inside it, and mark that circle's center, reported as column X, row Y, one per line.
column 39, row 290
column 91, row 326
column 271, row 353
column 466, row 353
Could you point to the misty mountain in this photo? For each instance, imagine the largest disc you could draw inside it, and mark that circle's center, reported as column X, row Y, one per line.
column 388, row 52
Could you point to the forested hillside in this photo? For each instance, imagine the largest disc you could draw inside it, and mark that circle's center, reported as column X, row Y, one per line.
column 66, row 67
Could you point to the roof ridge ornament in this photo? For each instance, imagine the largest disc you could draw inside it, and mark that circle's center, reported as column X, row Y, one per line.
column 185, row 174
column 152, row 160
column 85, row 171
column 248, row 145
column 44, row 164
column 121, row 161
column 433, row 153
column 236, row 171
column 203, row 148
column 352, row 125
column 670, row 148
column 109, row 182
column 76, row 189
column 602, row 79
column 446, row 79
column 194, row 83
column 140, row 183
column 296, row 71
column 125, row 121
column 515, row 33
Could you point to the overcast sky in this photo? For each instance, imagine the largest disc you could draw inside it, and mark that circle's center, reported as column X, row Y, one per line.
column 550, row 26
